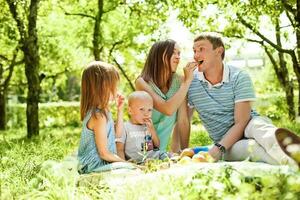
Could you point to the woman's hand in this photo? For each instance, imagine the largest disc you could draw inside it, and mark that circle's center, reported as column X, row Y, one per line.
column 188, row 71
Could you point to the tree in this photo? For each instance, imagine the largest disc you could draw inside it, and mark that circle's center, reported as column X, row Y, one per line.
column 116, row 26
column 8, row 59
column 244, row 20
column 5, row 77
column 28, row 40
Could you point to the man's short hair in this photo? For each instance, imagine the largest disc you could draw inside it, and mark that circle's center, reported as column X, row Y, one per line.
column 214, row 38
column 138, row 95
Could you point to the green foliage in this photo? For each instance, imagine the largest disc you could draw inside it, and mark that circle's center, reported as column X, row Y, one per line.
column 50, row 114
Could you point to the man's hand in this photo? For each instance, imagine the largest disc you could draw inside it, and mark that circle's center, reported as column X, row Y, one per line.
column 215, row 152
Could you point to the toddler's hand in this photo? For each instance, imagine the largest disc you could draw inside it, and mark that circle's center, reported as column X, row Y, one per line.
column 148, row 123
column 120, row 101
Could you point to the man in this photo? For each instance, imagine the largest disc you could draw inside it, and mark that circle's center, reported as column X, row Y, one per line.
column 222, row 96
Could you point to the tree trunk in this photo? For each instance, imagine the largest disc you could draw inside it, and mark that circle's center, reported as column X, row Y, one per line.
column 31, row 58
column 97, row 32
column 283, row 74
column 29, row 46
column 3, row 111
column 297, row 20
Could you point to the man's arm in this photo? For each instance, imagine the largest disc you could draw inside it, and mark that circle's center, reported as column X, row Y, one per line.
column 242, row 116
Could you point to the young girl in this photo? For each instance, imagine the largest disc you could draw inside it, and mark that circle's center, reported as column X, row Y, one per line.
column 97, row 148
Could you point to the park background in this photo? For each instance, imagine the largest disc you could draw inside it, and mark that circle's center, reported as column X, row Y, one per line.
column 44, row 46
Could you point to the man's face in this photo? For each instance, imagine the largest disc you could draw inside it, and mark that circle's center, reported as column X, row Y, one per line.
column 140, row 110
column 204, row 54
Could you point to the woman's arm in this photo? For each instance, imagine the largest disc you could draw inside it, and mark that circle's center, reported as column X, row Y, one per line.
column 98, row 125
column 183, row 125
column 168, row 107
column 181, row 131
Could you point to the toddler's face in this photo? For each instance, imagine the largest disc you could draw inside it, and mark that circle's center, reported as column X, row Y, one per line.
column 140, row 110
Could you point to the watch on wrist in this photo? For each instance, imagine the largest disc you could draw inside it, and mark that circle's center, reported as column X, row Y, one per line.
column 221, row 147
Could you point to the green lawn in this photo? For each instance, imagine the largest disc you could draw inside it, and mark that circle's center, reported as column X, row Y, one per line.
column 21, row 161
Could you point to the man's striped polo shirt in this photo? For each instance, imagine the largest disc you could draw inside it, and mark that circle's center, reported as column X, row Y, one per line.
column 215, row 103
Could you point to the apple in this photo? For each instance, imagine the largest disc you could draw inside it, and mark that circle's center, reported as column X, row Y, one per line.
column 207, row 156
column 187, row 152
column 199, row 158
column 185, row 160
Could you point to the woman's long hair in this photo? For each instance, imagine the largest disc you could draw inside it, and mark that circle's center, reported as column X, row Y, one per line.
column 99, row 81
column 158, row 67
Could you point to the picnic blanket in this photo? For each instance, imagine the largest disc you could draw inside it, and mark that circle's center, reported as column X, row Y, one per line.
column 66, row 171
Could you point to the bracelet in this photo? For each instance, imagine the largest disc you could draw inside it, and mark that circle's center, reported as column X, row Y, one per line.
column 222, row 150
column 220, row 147
column 118, row 139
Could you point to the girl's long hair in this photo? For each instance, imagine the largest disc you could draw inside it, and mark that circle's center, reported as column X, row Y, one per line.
column 99, row 81
column 158, row 67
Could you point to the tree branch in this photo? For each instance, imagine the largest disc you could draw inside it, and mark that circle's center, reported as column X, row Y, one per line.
column 288, row 7
column 240, row 37
column 81, row 14
column 54, row 76
column 124, row 73
column 11, row 69
column 3, row 57
column 290, row 18
column 272, row 59
column 114, row 46
column 118, row 65
column 21, row 27
column 113, row 8
column 281, row 27
column 277, row 47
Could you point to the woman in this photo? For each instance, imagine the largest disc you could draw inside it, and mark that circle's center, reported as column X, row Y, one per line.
column 168, row 91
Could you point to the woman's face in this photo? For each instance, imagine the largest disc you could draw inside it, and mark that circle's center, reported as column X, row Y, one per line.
column 175, row 58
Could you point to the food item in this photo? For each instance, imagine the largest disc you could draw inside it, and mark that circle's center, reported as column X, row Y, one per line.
column 185, row 160
column 199, row 158
column 207, row 156
column 187, row 152
column 175, row 158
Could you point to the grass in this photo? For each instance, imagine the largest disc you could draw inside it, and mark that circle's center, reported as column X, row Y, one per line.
column 22, row 160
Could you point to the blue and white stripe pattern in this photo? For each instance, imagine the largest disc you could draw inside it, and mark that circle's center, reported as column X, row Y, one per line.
column 215, row 103
column 88, row 154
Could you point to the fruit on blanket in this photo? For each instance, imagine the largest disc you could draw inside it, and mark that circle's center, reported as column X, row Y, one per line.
column 187, row 152
column 185, row 160
column 175, row 158
column 199, row 158
column 207, row 156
